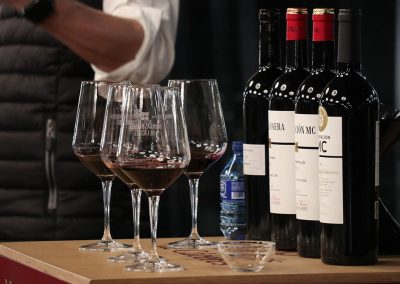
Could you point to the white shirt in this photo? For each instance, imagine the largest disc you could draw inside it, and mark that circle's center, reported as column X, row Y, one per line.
column 155, row 57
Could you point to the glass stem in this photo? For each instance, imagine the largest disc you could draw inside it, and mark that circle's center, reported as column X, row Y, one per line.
column 153, row 211
column 106, row 202
column 194, row 190
column 136, row 194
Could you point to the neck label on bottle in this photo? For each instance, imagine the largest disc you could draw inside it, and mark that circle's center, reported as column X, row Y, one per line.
column 330, row 168
column 254, row 159
column 306, row 163
column 281, row 162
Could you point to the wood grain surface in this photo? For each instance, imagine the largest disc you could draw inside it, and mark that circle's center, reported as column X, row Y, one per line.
column 62, row 260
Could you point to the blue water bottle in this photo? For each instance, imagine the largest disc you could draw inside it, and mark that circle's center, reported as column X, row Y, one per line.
column 233, row 211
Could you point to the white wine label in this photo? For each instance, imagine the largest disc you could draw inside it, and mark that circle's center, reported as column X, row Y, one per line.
column 281, row 179
column 377, row 153
column 307, row 189
column 281, row 126
column 330, row 138
column 306, row 130
column 306, row 167
column 331, row 190
column 254, row 159
column 281, row 162
column 330, row 169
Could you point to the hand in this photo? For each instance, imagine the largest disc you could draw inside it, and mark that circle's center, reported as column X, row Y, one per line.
column 17, row 4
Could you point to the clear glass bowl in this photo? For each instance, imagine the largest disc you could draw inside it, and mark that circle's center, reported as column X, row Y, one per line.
column 246, row 256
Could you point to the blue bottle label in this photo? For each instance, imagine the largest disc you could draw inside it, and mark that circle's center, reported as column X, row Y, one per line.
column 232, row 190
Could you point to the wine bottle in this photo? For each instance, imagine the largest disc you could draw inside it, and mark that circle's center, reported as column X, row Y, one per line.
column 349, row 153
column 306, row 132
column 255, row 116
column 281, row 132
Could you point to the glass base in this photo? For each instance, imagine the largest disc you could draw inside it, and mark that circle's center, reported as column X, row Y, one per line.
column 161, row 266
column 133, row 256
column 105, row 246
column 248, row 269
column 191, row 243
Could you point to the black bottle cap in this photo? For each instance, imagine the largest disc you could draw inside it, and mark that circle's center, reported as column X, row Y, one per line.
column 349, row 43
column 349, row 15
column 269, row 40
column 267, row 15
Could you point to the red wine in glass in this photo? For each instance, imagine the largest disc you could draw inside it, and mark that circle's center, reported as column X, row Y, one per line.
column 201, row 160
column 153, row 180
column 108, row 149
column 207, row 138
column 153, row 151
column 86, row 146
column 93, row 162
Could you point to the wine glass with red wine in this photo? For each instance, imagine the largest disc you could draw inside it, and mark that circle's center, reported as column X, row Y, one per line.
column 108, row 150
column 86, row 146
column 207, row 138
column 153, row 151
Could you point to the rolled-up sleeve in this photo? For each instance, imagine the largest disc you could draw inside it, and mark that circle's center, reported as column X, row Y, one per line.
column 156, row 55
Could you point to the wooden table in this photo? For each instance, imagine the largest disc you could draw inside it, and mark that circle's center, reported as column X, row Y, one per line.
column 61, row 262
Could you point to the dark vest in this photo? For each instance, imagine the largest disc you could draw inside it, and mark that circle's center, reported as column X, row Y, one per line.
column 45, row 192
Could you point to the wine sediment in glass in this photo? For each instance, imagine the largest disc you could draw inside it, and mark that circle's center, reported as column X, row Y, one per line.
column 152, row 180
column 95, row 164
column 201, row 159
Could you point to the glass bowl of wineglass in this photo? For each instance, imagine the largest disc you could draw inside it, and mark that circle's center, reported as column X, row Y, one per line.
column 153, row 151
column 108, row 150
column 86, row 146
column 207, row 138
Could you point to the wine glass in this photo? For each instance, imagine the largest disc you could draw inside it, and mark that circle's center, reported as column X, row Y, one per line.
column 207, row 138
column 108, row 151
column 153, row 150
column 86, row 146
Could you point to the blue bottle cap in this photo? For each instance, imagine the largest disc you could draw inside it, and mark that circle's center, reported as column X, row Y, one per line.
column 237, row 146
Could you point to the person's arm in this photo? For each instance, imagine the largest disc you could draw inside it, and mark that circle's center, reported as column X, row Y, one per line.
column 129, row 40
column 106, row 41
column 156, row 55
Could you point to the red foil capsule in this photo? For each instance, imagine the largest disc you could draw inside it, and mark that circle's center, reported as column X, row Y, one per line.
column 323, row 25
column 296, row 23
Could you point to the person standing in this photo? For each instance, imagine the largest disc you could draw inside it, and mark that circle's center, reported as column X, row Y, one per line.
column 47, row 47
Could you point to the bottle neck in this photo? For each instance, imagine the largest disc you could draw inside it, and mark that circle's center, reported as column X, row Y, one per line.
column 349, row 46
column 296, row 41
column 296, row 54
column 323, row 55
column 346, row 67
column 323, row 41
column 269, row 42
